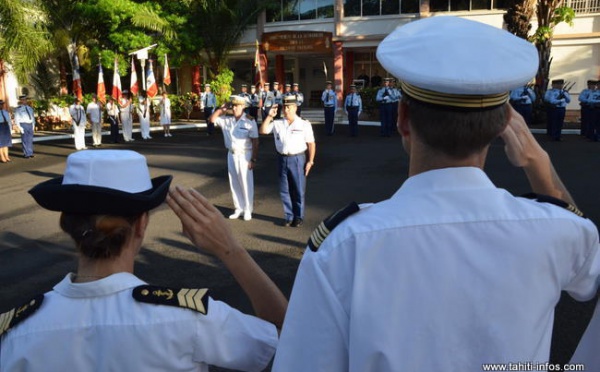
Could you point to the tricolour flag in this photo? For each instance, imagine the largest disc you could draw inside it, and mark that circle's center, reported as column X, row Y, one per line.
column 166, row 73
column 101, row 88
column 260, row 65
column 133, row 85
column 77, row 91
column 151, row 87
column 116, row 87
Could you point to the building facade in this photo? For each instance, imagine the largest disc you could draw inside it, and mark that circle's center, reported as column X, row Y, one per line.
column 312, row 41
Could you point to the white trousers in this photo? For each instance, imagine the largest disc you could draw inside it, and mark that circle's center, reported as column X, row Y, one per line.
column 97, row 133
column 145, row 127
column 241, row 181
column 127, row 123
column 79, row 134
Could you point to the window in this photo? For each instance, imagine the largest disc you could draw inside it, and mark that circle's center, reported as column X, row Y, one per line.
column 295, row 10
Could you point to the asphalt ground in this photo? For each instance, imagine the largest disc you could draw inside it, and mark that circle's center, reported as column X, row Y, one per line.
column 35, row 254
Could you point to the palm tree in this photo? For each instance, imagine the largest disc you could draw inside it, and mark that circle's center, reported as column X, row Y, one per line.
column 24, row 41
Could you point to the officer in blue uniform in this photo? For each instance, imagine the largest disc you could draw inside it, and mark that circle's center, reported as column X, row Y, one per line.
column 385, row 98
column 594, row 123
column 353, row 108
column 254, row 102
column 521, row 99
column 244, row 93
column 587, row 111
column 557, row 99
column 299, row 98
column 267, row 99
column 25, row 120
column 277, row 98
column 209, row 102
column 329, row 100
column 396, row 96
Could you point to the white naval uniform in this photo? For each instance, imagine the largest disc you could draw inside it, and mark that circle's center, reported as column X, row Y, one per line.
column 127, row 119
column 78, row 121
column 588, row 351
column 98, row 326
column 448, row 274
column 94, row 110
column 165, row 111
column 238, row 137
column 143, row 111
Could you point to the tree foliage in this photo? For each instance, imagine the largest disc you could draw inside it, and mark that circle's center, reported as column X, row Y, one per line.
column 24, row 40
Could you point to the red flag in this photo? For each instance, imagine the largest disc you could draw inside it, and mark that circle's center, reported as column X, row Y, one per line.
column 166, row 73
column 151, row 87
column 77, row 91
column 116, row 87
column 101, row 88
column 133, row 86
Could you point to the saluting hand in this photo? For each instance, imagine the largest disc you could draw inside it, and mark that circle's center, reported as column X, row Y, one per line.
column 201, row 222
column 521, row 147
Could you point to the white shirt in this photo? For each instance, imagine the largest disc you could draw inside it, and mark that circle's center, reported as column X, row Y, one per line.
column 588, row 351
column 94, row 111
column 98, row 326
column 165, row 111
column 449, row 273
column 77, row 114
column 291, row 139
column 237, row 134
column 24, row 114
column 112, row 109
column 143, row 109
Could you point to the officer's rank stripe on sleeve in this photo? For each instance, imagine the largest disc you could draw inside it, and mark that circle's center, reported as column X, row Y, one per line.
column 324, row 229
column 15, row 316
column 187, row 298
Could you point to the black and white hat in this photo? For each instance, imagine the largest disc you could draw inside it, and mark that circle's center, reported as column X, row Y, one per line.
column 113, row 182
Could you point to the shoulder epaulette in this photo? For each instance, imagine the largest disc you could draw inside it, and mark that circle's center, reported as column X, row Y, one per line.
column 15, row 316
column 552, row 200
column 188, row 298
column 328, row 224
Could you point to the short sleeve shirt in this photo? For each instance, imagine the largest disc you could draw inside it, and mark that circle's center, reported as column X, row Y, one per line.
column 99, row 326
column 291, row 139
column 93, row 110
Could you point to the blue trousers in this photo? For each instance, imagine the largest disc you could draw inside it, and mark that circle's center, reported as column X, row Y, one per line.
column 27, row 139
column 329, row 116
column 556, row 118
column 386, row 118
column 114, row 128
column 587, row 121
column 353, row 120
column 526, row 111
column 210, row 126
column 292, row 185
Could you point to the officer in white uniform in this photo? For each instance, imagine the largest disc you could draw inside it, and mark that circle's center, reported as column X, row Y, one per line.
column 165, row 114
column 102, row 317
column 94, row 112
column 143, row 111
column 451, row 272
column 126, row 114
column 25, row 121
column 240, row 134
column 295, row 145
column 78, row 121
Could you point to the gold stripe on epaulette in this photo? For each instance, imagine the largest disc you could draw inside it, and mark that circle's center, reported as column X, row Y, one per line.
column 192, row 299
column 575, row 210
column 319, row 234
column 5, row 320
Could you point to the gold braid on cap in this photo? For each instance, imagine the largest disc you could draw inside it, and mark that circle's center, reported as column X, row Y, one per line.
column 468, row 101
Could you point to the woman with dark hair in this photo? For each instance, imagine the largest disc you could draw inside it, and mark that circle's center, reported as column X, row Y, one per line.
column 104, row 318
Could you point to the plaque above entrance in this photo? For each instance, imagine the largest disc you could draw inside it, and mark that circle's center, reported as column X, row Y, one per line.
column 294, row 41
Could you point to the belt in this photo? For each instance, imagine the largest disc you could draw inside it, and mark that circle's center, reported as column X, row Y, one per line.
column 300, row 153
column 329, row 106
column 351, row 107
column 237, row 152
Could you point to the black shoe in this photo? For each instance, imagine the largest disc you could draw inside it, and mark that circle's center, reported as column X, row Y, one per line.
column 297, row 222
column 287, row 223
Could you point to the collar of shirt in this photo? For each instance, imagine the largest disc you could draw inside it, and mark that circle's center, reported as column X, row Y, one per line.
column 457, row 178
column 111, row 284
